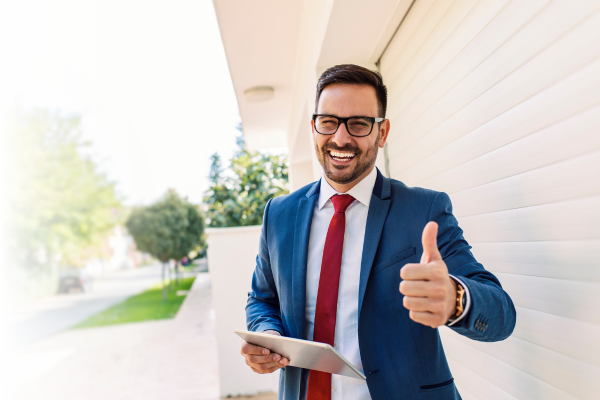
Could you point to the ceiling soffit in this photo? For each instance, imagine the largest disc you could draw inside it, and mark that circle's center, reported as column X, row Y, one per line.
column 359, row 31
column 260, row 38
column 262, row 43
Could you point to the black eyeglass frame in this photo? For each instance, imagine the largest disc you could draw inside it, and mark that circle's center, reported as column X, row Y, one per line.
column 345, row 122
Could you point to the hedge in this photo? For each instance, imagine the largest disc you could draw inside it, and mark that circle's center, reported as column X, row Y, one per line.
column 23, row 283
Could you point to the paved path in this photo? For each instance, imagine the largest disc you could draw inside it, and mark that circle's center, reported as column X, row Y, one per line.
column 50, row 315
column 170, row 359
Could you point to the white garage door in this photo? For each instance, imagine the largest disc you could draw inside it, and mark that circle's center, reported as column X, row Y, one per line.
column 497, row 103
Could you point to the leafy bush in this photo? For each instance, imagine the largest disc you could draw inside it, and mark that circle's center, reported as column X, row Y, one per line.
column 238, row 195
column 22, row 283
column 169, row 229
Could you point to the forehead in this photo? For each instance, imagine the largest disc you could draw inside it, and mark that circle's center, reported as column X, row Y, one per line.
column 343, row 99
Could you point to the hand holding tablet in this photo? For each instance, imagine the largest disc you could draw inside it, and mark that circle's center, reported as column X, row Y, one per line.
column 260, row 359
column 293, row 352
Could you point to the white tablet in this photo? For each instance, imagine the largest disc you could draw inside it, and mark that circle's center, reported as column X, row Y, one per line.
column 304, row 353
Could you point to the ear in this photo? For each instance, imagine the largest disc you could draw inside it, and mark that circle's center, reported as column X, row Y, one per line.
column 384, row 130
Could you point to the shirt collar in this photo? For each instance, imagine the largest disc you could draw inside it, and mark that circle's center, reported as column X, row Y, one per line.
column 362, row 191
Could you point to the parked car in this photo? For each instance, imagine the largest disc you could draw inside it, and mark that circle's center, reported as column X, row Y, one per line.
column 74, row 280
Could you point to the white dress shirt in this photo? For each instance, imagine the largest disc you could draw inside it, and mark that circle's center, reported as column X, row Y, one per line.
column 346, row 323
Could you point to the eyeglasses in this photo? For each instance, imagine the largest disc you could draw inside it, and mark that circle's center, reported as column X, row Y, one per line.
column 356, row 126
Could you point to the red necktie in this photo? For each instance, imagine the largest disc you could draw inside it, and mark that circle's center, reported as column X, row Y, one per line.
column 319, row 383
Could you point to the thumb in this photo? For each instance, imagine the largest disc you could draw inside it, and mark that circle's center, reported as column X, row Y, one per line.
column 430, row 249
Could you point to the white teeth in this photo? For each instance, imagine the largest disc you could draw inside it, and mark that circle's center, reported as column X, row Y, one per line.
column 338, row 154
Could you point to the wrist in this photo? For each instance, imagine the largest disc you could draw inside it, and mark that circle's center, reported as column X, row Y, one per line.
column 452, row 299
column 459, row 302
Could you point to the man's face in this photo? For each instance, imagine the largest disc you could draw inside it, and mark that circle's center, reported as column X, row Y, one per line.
column 347, row 158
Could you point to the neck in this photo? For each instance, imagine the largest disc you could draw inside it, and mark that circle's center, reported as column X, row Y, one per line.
column 345, row 187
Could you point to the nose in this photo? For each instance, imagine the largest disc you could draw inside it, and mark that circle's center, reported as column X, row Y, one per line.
column 341, row 137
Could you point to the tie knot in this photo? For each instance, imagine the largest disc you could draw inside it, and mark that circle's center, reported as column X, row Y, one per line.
column 341, row 202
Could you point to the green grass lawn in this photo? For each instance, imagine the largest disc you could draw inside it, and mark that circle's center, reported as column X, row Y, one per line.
column 148, row 305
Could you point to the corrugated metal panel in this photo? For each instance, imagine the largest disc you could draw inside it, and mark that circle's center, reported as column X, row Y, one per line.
column 497, row 103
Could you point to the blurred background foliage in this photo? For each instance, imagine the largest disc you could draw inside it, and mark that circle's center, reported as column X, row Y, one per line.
column 238, row 194
column 61, row 207
column 169, row 229
column 60, row 204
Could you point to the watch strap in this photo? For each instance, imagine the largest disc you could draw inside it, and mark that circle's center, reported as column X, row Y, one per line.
column 460, row 302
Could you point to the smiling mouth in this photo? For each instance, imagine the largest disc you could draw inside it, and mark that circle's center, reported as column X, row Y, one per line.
column 341, row 156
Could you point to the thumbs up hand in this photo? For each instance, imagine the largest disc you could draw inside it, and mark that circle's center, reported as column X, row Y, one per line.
column 429, row 292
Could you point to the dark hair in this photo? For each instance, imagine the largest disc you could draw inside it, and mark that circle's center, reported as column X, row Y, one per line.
column 356, row 75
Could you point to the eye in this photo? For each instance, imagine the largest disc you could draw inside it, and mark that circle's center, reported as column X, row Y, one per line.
column 326, row 120
column 358, row 123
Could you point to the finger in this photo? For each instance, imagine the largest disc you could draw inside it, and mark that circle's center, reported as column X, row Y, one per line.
column 433, row 289
column 263, row 367
column 415, row 272
column 248, row 348
column 423, row 304
column 429, row 239
column 427, row 318
column 415, row 288
column 284, row 362
column 263, row 359
column 268, row 371
column 416, row 303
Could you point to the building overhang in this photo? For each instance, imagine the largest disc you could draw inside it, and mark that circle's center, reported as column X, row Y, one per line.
column 265, row 44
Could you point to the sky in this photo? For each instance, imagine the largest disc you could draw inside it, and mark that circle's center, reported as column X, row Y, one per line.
column 149, row 78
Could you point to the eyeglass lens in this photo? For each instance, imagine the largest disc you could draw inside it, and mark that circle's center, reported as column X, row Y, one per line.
column 357, row 126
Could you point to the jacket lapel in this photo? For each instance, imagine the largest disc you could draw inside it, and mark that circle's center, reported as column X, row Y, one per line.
column 378, row 209
column 306, row 207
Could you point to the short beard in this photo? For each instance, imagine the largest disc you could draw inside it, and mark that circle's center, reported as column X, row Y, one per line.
column 365, row 161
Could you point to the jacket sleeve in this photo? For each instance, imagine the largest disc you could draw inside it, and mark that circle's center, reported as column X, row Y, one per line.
column 491, row 316
column 262, row 308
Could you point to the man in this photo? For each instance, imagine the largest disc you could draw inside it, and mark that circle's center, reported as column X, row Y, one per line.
column 367, row 264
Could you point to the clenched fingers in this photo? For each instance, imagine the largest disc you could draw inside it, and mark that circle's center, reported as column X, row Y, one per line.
column 415, row 288
column 262, row 359
column 414, row 272
column 248, row 348
column 427, row 318
column 423, row 304
column 267, row 365
column 424, row 272
column 433, row 290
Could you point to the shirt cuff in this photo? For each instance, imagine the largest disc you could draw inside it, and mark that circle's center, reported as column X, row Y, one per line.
column 468, row 304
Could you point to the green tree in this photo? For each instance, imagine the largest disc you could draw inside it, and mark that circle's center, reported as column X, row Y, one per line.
column 168, row 229
column 60, row 205
column 238, row 195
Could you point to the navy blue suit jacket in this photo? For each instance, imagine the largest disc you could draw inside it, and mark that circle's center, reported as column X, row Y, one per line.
column 402, row 359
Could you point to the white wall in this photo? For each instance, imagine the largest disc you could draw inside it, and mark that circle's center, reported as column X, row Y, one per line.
column 231, row 261
column 497, row 103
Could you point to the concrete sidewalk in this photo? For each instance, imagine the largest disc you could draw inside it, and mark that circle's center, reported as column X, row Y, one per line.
column 49, row 315
column 171, row 359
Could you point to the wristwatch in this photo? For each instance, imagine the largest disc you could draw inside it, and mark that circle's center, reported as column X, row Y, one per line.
column 461, row 299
